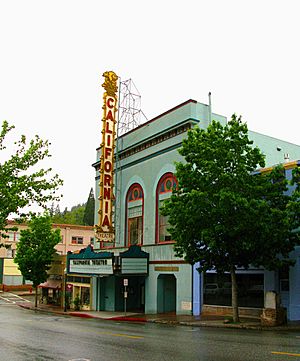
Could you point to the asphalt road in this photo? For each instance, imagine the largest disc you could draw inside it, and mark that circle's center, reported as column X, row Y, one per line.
column 28, row 335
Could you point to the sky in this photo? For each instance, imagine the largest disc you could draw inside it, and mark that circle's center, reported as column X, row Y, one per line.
column 53, row 54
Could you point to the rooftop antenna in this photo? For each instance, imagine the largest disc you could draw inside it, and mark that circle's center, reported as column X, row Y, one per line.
column 130, row 116
column 209, row 107
column 130, row 113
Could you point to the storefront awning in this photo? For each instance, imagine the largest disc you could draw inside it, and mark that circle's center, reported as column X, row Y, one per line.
column 54, row 284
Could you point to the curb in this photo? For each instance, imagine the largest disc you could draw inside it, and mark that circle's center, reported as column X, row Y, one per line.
column 168, row 322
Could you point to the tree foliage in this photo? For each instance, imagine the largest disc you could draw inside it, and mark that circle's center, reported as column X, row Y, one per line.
column 35, row 249
column 22, row 184
column 81, row 214
column 73, row 216
column 89, row 211
column 226, row 215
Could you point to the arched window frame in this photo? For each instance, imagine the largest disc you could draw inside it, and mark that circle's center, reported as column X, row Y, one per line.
column 138, row 198
column 162, row 189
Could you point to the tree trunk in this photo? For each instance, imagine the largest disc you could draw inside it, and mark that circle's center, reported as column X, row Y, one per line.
column 234, row 294
column 36, row 296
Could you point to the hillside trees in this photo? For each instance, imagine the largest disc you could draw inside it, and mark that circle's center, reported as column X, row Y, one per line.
column 89, row 211
column 80, row 214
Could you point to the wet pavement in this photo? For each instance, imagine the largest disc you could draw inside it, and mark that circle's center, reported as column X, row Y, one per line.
column 30, row 336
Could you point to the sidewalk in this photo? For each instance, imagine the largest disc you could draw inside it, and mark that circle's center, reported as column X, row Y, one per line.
column 167, row 318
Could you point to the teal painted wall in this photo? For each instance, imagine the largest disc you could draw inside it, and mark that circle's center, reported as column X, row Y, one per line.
column 108, row 293
column 183, row 288
column 294, row 294
column 95, row 300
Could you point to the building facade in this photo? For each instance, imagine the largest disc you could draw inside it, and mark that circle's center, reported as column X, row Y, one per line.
column 74, row 238
column 143, row 274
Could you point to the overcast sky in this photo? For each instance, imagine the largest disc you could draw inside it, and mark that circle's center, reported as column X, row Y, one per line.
column 53, row 54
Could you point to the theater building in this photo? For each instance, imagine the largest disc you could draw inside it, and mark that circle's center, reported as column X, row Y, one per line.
column 133, row 264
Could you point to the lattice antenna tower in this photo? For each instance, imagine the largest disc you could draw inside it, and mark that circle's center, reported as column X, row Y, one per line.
column 130, row 116
column 130, row 113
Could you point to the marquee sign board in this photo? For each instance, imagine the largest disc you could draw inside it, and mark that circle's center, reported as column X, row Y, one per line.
column 91, row 266
column 104, row 229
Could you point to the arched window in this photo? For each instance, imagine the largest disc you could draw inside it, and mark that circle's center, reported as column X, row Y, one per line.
column 164, row 190
column 134, row 215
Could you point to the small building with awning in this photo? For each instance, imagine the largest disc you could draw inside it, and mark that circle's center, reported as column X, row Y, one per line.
column 52, row 289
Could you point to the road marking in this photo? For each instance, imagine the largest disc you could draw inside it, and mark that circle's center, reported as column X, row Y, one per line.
column 120, row 335
column 285, row 353
column 11, row 298
column 19, row 297
column 86, row 329
column 7, row 300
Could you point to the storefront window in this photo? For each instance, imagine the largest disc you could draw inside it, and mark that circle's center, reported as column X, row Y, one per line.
column 217, row 289
column 85, row 296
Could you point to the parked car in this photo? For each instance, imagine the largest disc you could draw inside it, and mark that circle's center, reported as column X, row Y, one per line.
column 256, row 289
column 211, row 289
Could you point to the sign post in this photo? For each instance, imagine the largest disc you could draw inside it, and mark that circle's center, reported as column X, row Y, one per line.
column 125, row 283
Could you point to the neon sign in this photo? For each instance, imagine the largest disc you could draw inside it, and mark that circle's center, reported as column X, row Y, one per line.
column 104, row 229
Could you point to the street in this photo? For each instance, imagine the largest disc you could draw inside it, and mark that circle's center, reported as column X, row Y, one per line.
column 28, row 335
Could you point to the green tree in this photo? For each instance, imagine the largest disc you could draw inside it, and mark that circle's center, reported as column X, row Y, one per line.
column 89, row 211
column 22, row 184
column 35, row 250
column 223, row 214
column 74, row 216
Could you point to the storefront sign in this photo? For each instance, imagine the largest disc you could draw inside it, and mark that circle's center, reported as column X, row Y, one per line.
column 186, row 305
column 69, row 287
column 134, row 265
column 104, row 228
column 91, row 266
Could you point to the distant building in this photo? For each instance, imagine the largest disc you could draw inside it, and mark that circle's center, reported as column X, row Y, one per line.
column 74, row 238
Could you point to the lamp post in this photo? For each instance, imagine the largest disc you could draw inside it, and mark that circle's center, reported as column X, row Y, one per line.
column 65, row 290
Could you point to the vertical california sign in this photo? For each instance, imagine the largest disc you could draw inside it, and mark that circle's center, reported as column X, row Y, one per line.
column 104, row 229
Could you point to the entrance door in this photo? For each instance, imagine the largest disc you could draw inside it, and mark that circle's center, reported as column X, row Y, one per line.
column 166, row 293
column 135, row 301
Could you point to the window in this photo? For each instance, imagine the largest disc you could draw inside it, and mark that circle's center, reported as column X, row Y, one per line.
column 284, row 279
column 134, row 215
column 9, row 252
column 77, row 240
column 92, row 241
column 217, row 289
column 164, row 190
column 164, row 235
